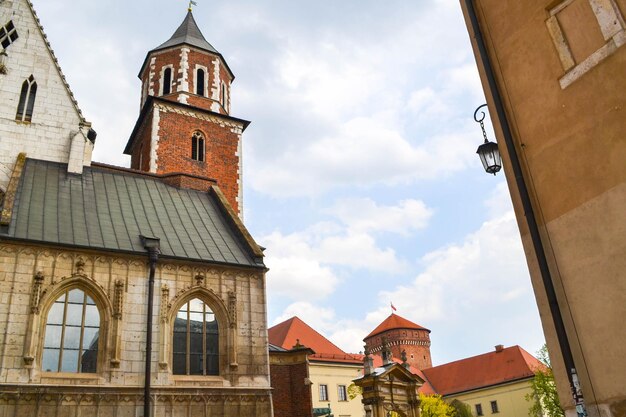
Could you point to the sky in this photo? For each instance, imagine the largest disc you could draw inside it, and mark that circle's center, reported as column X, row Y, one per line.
column 360, row 170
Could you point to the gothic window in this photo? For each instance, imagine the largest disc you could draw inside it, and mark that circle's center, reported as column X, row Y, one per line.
column 72, row 333
column 27, row 100
column 196, row 340
column 167, row 81
column 200, row 81
column 8, row 34
column 197, row 146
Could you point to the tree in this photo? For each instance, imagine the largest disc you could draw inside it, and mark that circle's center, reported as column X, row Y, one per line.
column 435, row 406
column 354, row 391
column 461, row 409
column 544, row 398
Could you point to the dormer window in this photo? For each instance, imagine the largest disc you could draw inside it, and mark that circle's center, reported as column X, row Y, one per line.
column 166, row 82
column 197, row 146
column 200, row 81
column 27, row 100
column 8, row 34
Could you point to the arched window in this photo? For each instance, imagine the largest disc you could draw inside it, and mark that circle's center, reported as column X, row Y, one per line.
column 72, row 333
column 224, row 95
column 167, row 81
column 200, row 82
column 196, row 340
column 27, row 100
column 197, row 146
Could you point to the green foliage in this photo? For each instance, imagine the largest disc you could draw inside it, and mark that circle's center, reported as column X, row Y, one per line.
column 354, row 391
column 435, row 406
column 544, row 398
column 461, row 409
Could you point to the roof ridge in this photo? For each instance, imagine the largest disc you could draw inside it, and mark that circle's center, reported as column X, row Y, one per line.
column 56, row 63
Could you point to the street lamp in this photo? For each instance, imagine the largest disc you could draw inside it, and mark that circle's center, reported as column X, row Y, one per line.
column 488, row 151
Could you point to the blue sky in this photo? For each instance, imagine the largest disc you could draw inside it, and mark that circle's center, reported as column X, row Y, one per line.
column 360, row 172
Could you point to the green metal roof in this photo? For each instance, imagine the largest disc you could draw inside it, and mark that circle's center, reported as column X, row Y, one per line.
column 108, row 210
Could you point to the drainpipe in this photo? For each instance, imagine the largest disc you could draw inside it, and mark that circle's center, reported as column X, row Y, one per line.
column 531, row 220
column 151, row 244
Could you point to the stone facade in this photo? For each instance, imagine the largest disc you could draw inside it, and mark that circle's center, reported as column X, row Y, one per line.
column 32, row 278
column 57, row 131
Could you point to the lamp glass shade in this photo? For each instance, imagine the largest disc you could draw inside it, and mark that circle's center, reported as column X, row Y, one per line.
column 490, row 157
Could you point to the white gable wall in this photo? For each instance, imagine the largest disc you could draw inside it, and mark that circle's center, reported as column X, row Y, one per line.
column 56, row 119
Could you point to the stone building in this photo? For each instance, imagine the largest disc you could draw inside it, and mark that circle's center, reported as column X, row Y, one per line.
column 77, row 243
column 553, row 74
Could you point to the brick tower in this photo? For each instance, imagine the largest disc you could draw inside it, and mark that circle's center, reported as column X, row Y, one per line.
column 185, row 133
column 402, row 334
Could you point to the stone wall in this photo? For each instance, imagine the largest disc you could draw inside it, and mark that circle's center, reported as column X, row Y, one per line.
column 32, row 278
column 56, row 118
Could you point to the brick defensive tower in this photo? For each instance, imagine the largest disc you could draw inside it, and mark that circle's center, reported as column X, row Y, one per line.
column 185, row 132
column 402, row 334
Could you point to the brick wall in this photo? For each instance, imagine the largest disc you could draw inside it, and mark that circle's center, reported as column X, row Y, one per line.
column 416, row 343
column 291, row 395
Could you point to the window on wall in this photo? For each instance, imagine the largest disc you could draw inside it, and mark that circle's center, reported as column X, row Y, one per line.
column 200, row 82
column 342, row 393
column 196, row 340
column 323, row 392
column 167, row 81
column 8, row 34
column 27, row 100
column 72, row 333
column 494, row 407
column 224, row 95
column 197, row 146
column 479, row 409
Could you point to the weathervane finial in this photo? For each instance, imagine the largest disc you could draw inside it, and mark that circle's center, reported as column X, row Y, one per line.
column 191, row 4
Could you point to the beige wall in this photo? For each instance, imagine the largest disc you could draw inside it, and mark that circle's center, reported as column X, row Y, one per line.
column 560, row 70
column 119, row 286
column 510, row 399
column 333, row 375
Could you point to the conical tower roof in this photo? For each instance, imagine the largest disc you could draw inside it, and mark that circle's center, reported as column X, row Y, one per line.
column 188, row 33
column 395, row 322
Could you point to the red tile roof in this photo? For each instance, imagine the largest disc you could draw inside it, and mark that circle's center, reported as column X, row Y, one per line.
column 288, row 333
column 509, row 364
column 395, row 322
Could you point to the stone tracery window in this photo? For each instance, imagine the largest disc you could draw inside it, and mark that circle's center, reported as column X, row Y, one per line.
column 72, row 334
column 27, row 100
column 195, row 340
column 197, row 146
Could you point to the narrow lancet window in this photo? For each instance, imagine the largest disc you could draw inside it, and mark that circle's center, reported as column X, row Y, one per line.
column 200, row 82
column 167, row 81
column 197, row 146
column 27, row 100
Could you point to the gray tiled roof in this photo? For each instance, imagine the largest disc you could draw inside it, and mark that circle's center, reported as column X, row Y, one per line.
column 188, row 33
column 105, row 209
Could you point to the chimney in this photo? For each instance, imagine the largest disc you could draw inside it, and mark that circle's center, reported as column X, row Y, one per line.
column 499, row 348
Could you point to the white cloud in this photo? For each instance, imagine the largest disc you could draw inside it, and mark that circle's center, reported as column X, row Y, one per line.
column 364, row 215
